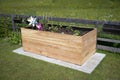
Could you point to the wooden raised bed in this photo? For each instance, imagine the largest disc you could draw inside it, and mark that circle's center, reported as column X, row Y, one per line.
column 69, row 48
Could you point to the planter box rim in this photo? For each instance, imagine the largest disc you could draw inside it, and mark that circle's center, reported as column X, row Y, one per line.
column 90, row 29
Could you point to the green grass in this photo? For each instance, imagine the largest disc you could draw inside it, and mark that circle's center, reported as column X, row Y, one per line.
column 18, row 67
column 86, row 9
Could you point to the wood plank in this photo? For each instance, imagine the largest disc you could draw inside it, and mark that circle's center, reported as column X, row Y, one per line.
column 112, row 49
column 54, row 38
column 62, row 54
column 108, row 40
column 89, row 43
column 37, row 43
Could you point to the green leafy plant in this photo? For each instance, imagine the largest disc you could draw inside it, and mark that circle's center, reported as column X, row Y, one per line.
column 116, row 45
column 14, row 38
column 45, row 23
column 3, row 32
column 54, row 28
column 5, row 25
column 76, row 32
column 69, row 28
column 60, row 25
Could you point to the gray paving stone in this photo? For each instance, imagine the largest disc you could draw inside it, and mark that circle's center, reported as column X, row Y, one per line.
column 87, row 67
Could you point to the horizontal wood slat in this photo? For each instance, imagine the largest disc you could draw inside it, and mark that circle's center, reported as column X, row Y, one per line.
column 108, row 40
column 112, row 49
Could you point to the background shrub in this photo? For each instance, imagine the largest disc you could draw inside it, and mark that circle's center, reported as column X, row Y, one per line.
column 14, row 37
column 5, row 27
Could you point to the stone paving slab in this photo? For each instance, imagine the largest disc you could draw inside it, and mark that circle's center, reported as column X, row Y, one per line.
column 87, row 67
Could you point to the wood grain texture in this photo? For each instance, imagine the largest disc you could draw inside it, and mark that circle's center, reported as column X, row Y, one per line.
column 74, row 49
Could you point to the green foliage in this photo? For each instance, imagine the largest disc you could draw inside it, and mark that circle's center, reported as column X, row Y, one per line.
column 76, row 32
column 14, row 37
column 3, row 32
column 53, row 28
column 69, row 28
column 44, row 23
column 21, row 25
column 6, row 31
column 117, row 45
column 5, row 25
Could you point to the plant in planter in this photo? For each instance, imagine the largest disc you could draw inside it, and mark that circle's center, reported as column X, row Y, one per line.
column 69, row 28
column 53, row 28
column 76, row 32
column 44, row 23
column 66, row 47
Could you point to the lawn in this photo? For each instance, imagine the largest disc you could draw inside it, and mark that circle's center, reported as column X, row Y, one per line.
column 85, row 9
column 18, row 67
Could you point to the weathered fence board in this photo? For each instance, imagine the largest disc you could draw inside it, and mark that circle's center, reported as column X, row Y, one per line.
column 113, row 28
column 112, row 49
column 108, row 40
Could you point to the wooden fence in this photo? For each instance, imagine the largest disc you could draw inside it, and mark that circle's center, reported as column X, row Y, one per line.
column 71, row 20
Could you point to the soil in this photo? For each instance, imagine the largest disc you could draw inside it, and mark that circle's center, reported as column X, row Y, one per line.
column 63, row 30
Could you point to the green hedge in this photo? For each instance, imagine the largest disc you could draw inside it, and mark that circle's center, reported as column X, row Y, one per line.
column 5, row 27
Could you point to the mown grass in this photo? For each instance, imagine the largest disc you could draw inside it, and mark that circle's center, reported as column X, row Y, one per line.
column 18, row 67
column 85, row 9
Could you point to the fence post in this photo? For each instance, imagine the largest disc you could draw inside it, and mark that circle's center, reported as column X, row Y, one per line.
column 96, row 24
column 13, row 24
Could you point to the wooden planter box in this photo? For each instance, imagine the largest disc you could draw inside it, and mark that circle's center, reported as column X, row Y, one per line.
column 69, row 48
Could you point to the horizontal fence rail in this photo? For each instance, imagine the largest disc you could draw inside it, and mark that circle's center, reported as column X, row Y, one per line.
column 108, row 40
column 112, row 49
column 108, row 48
column 71, row 20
